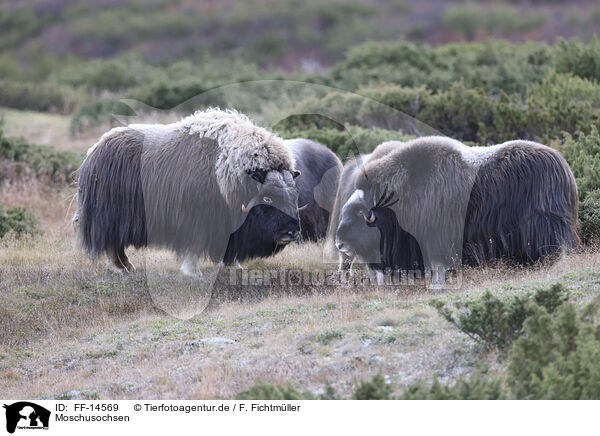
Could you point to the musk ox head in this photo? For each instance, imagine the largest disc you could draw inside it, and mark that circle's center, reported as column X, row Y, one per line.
column 370, row 230
column 355, row 235
column 272, row 213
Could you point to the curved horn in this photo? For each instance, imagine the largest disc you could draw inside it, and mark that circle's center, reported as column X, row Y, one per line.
column 300, row 209
column 245, row 209
column 371, row 218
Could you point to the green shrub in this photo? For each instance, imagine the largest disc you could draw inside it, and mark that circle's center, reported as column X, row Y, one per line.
column 43, row 97
column 348, row 142
column 589, row 217
column 376, row 389
column 479, row 386
column 18, row 221
column 472, row 115
column 493, row 65
column 502, row 19
column 46, row 162
column 167, row 95
column 579, row 58
column 263, row 391
column 557, row 358
column 495, row 323
column 113, row 75
column 562, row 103
column 98, row 113
column 389, row 107
column 17, row 25
column 583, row 155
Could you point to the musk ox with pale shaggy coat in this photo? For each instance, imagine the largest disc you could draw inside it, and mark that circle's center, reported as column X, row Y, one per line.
column 186, row 186
column 434, row 202
column 317, row 187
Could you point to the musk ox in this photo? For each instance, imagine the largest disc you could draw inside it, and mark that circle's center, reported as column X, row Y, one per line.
column 317, row 187
column 346, row 188
column 186, row 186
column 434, row 202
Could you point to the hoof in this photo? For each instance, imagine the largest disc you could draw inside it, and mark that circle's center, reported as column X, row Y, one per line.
column 129, row 267
column 117, row 269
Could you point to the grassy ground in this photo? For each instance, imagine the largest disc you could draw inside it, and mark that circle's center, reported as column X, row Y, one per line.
column 71, row 329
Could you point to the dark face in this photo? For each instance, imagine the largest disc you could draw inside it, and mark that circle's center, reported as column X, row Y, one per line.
column 271, row 222
column 265, row 232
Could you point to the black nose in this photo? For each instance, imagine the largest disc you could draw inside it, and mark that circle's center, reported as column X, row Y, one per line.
column 293, row 234
column 339, row 245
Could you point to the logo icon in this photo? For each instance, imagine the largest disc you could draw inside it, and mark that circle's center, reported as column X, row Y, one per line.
column 26, row 415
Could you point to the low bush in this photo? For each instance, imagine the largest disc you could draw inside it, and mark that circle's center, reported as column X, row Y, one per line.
column 562, row 103
column 589, row 217
column 375, row 389
column 479, row 386
column 112, row 75
column 102, row 111
column 346, row 142
column 497, row 19
column 495, row 323
column 557, row 357
column 583, row 155
column 47, row 163
column 579, row 58
column 18, row 221
column 263, row 391
column 473, row 115
column 42, row 97
column 493, row 65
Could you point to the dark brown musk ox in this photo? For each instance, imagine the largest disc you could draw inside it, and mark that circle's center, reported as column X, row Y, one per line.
column 434, row 202
column 317, row 187
column 185, row 186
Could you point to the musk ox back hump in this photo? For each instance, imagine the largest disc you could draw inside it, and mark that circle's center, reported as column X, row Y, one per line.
column 110, row 198
column 523, row 206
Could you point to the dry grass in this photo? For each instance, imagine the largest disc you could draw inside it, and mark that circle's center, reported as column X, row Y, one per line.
column 67, row 324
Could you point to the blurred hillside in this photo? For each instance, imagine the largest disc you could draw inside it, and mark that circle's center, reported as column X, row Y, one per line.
column 39, row 36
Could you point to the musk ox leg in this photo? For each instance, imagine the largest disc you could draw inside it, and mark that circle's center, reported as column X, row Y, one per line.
column 438, row 277
column 345, row 262
column 118, row 261
column 189, row 267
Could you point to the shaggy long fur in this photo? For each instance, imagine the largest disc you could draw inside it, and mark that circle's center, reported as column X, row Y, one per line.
column 111, row 211
column 523, row 206
column 320, row 172
column 179, row 185
column 516, row 200
column 409, row 257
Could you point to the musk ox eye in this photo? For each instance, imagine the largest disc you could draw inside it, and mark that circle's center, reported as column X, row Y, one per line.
column 267, row 200
column 370, row 218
